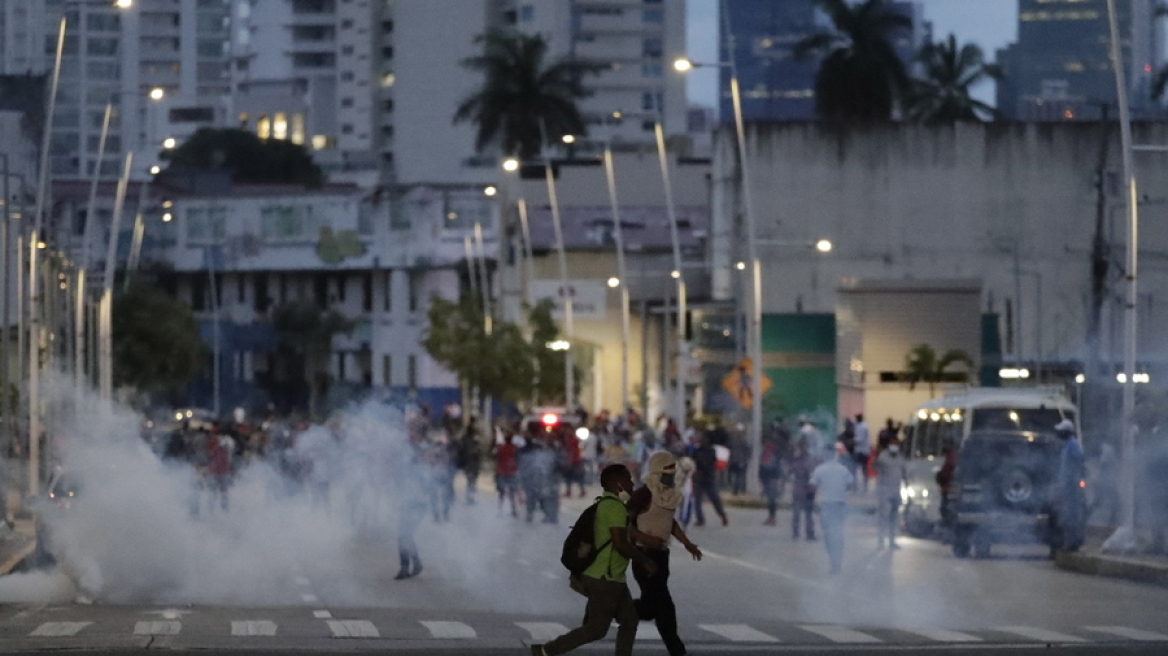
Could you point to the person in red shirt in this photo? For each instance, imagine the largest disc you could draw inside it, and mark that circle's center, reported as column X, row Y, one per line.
column 506, row 470
column 219, row 451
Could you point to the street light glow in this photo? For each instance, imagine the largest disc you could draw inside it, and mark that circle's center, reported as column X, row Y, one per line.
column 491, row 190
column 1014, row 373
column 741, row 266
column 1080, row 378
column 169, row 142
column 157, row 93
column 675, row 274
column 614, row 282
column 123, row 4
column 683, row 65
column 559, row 345
column 510, row 164
column 155, row 170
column 569, row 138
column 166, row 218
column 823, row 246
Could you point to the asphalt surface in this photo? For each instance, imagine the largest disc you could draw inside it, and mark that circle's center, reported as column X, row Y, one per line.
column 493, row 584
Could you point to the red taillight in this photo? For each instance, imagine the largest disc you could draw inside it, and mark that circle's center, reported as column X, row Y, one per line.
column 1082, row 483
column 550, row 419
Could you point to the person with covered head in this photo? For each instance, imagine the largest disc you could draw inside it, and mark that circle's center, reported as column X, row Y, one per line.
column 652, row 510
column 1070, row 505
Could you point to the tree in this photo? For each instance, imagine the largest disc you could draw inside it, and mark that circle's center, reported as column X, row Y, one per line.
column 923, row 365
column 156, row 342
column 861, row 78
column 248, row 158
column 521, row 97
column 498, row 364
column 942, row 95
column 307, row 332
column 549, row 363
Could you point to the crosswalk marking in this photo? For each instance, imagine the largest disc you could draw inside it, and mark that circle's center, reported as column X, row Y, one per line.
column 353, row 629
column 738, row 633
column 646, row 631
column 59, row 629
column 451, row 630
column 322, row 614
column 301, row 580
column 942, row 635
column 1129, row 633
column 839, row 634
column 157, row 628
column 253, row 628
column 1041, row 635
column 543, row 631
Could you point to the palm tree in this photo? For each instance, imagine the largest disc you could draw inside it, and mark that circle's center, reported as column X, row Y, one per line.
column 923, row 365
column 942, row 95
column 861, row 78
column 521, row 97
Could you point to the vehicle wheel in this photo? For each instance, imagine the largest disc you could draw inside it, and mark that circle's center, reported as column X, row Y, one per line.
column 1016, row 487
column 961, row 542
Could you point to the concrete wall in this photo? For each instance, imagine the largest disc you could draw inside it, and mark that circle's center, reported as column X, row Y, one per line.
column 965, row 201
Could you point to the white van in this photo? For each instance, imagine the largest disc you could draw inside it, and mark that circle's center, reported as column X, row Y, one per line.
column 948, row 420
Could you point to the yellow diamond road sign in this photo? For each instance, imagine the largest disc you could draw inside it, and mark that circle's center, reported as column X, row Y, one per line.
column 737, row 383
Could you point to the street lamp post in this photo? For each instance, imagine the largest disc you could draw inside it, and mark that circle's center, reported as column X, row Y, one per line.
column 675, row 238
column 105, row 321
column 622, row 274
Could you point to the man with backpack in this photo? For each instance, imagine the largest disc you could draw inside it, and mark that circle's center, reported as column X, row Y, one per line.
column 598, row 569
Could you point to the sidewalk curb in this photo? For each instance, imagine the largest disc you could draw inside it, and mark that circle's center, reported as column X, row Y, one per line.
column 1114, row 567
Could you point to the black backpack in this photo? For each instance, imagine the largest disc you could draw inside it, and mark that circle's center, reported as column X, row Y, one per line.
column 579, row 549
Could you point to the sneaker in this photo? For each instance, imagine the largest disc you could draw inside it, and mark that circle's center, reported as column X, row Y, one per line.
column 537, row 650
column 402, row 575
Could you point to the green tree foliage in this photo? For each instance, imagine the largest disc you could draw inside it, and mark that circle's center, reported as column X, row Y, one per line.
column 549, row 363
column 942, row 95
column 861, row 79
column 248, row 158
column 156, row 343
column 498, row 364
column 307, row 331
column 922, row 365
column 521, row 94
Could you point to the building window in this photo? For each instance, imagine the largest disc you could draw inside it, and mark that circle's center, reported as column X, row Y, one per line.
column 388, row 300
column 652, row 70
column 341, row 285
column 346, row 129
column 204, row 223
column 346, row 102
column 652, row 47
column 240, row 280
column 387, row 370
column 412, row 372
column 654, row 16
column 260, row 300
column 387, row 52
column 414, row 284
column 341, row 365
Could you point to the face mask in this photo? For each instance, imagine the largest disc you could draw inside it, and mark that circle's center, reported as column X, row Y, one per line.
column 667, row 479
column 624, row 496
column 894, row 450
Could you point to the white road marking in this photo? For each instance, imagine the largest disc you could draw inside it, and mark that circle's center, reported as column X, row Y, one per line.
column 543, row 631
column 353, row 629
column 157, row 628
column 253, row 628
column 1130, row 633
column 58, row 629
column 841, row 634
column 449, row 630
column 738, row 633
column 302, row 580
column 309, row 598
column 1041, row 635
column 942, row 635
column 790, row 577
column 646, row 631
column 322, row 614
column 551, row 575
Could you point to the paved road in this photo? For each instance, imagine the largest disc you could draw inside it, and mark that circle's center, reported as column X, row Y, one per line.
column 493, row 584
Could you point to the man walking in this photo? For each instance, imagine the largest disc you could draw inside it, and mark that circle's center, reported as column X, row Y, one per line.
column 652, row 511
column 862, row 450
column 802, row 494
column 1070, row 503
column 831, row 482
column 891, row 472
column 705, row 479
column 604, row 580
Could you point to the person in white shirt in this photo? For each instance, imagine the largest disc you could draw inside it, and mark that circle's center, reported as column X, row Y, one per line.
column 831, row 482
column 863, row 450
column 891, row 471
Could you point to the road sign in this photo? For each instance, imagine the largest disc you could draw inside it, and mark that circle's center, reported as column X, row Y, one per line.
column 738, row 383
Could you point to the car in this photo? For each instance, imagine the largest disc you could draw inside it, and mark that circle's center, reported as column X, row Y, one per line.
column 541, row 420
column 1002, row 490
column 61, row 492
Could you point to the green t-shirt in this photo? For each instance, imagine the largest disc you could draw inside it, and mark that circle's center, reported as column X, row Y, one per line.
column 609, row 565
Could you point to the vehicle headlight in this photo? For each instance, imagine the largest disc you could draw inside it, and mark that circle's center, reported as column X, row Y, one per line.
column 924, row 494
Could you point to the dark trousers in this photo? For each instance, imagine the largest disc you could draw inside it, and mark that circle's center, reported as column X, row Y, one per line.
column 803, row 505
column 771, row 489
column 407, row 548
column 656, row 603
column 707, row 489
column 607, row 601
column 737, row 478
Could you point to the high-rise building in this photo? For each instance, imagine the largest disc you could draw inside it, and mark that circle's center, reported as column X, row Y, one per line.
column 162, row 64
column 1060, row 68
column 634, row 43
column 775, row 84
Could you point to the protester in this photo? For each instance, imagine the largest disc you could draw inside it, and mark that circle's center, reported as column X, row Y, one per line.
column 802, row 494
column 891, row 473
column 469, row 457
column 830, row 482
column 740, row 453
column 652, row 509
column 411, row 477
column 603, row 582
column 506, row 470
column 862, row 450
column 705, row 479
column 769, row 475
column 1070, row 504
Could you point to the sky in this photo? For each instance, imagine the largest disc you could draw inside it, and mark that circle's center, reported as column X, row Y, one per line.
column 989, row 23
